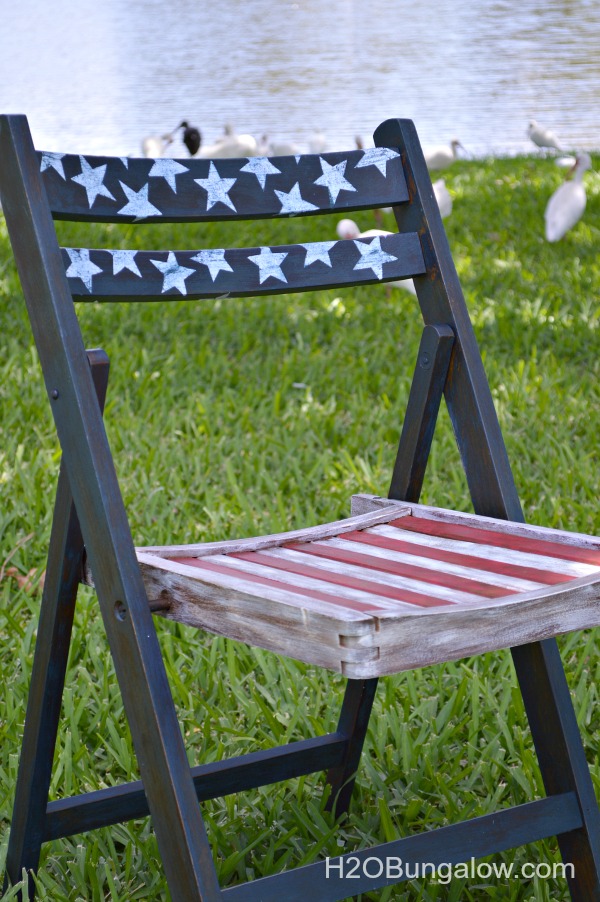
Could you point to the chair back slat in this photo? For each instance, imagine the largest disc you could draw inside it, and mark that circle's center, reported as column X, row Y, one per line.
column 123, row 189
column 240, row 272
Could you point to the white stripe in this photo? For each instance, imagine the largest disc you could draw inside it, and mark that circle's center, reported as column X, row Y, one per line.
column 491, row 552
column 300, row 582
column 492, row 579
column 386, row 579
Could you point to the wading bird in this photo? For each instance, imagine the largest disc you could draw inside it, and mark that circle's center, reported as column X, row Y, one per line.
column 440, row 157
column 541, row 136
column 191, row 137
column 565, row 207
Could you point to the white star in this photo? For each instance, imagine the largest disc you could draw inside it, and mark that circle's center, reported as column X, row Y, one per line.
column 124, row 260
column 217, row 189
column 215, row 260
column 269, row 264
column 373, row 257
column 292, row 202
column 174, row 274
column 167, row 170
column 261, row 167
column 81, row 266
column 125, row 162
column 377, row 156
column 318, row 250
column 91, row 178
column 333, row 178
column 138, row 204
column 53, row 161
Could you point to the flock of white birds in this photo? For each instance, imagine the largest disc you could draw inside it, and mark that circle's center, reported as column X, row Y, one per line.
column 563, row 210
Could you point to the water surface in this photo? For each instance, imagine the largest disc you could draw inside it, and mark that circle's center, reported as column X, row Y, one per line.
column 97, row 76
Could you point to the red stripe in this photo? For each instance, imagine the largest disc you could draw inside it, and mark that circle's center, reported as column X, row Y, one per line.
column 459, row 583
column 203, row 564
column 456, row 557
column 500, row 539
column 342, row 579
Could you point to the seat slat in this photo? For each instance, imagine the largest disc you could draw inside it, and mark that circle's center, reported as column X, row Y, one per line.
column 504, row 540
column 488, row 553
column 113, row 189
column 464, row 561
column 374, row 585
column 239, row 272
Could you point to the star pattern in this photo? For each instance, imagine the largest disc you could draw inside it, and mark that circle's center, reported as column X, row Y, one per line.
column 269, row 264
column 333, row 178
column 81, row 267
column 318, row 250
column 125, row 260
column 92, row 178
column 372, row 256
column 292, row 202
column 167, row 170
column 217, row 189
column 53, row 161
column 215, row 260
column 377, row 156
column 174, row 275
column 138, row 204
column 261, row 167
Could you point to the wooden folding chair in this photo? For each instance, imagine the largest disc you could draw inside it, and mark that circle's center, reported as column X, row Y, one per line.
column 397, row 585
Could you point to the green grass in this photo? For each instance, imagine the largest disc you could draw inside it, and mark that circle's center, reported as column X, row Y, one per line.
column 230, row 418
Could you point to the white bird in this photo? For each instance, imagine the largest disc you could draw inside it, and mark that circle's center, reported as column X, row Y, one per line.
column 317, row 143
column 154, row 146
column 442, row 156
column 230, row 146
column 541, row 136
column 565, row 207
column 442, row 195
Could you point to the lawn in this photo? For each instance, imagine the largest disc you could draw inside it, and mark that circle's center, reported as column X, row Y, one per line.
column 233, row 417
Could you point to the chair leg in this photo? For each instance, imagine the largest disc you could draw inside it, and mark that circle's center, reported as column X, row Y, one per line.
column 561, row 756
column 353, row 723
column 63, row 573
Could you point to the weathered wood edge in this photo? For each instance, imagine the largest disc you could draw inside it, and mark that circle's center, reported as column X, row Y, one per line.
column 409, row 642
column 365, row 503
column 307, row 534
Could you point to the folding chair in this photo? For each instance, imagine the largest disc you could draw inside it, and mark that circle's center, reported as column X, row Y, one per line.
column 397, row 585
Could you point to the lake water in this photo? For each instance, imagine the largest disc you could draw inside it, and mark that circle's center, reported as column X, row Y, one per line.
column 97, row 77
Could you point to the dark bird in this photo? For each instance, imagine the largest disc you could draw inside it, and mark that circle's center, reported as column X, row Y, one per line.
column 191, row 137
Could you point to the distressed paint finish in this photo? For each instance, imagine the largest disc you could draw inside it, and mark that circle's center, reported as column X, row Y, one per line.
column 239, row 272
column 108, row 189
column 404, row 591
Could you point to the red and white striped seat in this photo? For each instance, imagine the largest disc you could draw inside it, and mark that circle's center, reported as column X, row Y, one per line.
column 394, row 587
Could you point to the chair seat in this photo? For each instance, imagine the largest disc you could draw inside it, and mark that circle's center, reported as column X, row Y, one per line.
column 394, row 587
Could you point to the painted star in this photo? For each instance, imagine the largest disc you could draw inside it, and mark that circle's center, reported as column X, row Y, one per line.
column 91, row 178
column 269, row 264
column 292, row 202
column 53, row 161
column 125, row 162
column 138, row 204
column 217, row 188
column 167, row 170
column 318, row 250
column 81, row 266
column 372, row 256
column 261, row 167
column 215, row 260
column 378, row 156
column 124, row 260
column 333, row 179
column 174, row 274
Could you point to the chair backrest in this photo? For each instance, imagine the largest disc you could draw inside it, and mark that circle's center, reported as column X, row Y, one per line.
column 39, row 186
